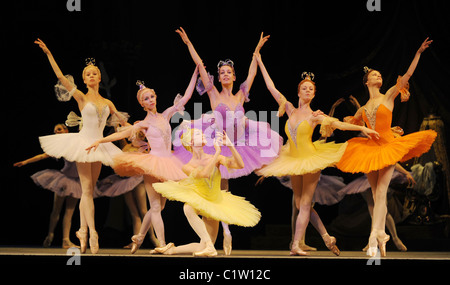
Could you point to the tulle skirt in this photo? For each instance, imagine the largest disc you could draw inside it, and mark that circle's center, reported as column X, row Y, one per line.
column 366, row 155
column 114, row 185
column 73, row 146
column 56, row 181
column 211, row 203
column 291, row 163
column 136, row 163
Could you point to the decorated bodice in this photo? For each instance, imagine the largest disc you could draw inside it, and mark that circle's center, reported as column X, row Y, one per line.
column 226, row 118
column 300, row 137
column 158, row 133
column 380, row 120
column 208, row 188
column 94, row 120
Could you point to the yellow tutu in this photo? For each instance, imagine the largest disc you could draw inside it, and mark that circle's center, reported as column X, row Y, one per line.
column 204, row 195
column 301, row 156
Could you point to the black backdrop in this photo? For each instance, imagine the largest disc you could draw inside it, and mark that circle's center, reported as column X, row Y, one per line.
column 137, row 40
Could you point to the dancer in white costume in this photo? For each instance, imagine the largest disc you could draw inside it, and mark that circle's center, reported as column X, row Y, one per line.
column 94, row 110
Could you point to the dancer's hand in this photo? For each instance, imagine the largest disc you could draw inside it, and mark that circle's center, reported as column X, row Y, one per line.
column 262, row 41
column 183, row 35
column 93, row 146
column 42, row 46
column 370, row 133
column 426, row 43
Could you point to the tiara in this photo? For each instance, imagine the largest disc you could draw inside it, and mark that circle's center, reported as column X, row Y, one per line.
column 308, row 75
column 89, row 61
column 140, row 84
column 228, row 62
column 367, row 69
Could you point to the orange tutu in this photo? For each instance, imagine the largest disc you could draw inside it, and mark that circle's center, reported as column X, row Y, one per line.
column 367, row 155
column 136, row 163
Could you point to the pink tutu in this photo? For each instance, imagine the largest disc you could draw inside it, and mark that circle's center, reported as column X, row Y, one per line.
column 162, row 167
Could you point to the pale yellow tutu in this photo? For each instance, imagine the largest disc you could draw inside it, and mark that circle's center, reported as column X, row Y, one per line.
column 301, row 156
column 204, row 195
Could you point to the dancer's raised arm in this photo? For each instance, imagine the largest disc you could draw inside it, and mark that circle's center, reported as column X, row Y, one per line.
column 195, row 57
column 78, row 95
column 271, row 86
column 394, row 91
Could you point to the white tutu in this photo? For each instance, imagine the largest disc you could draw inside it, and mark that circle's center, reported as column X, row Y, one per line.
column 73, row 146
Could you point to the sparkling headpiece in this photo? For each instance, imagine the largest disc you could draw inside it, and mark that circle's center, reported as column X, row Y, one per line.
column 228, row 62
column 90, row 61
column 308, row 76
column 140, row 84
column 367, row 70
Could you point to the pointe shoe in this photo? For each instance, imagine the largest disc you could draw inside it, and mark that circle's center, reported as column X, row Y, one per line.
column 295, row 250
column 137, row 242
column 227, row 244
column 48, row 240
column 93, row 243
column 330, row 243
column 162, row 249
column 209, row 251
column 382, row 239
column 82, row 236
column 399, row 244
column 66, row 244
column 377, row 241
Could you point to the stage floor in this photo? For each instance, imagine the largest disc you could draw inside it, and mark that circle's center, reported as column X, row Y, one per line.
column 242, row 265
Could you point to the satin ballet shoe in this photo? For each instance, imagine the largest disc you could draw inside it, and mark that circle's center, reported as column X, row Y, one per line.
column 330, row 243
column 66, row 244
column 137, row 241
column 295, row 250
column 227, row 244
column 303, row 246
column 209, row 251
column 162, row 249
column 82, row 236
column 399, row 244
column 93, row 242
column 377, row 241
column 48, row 240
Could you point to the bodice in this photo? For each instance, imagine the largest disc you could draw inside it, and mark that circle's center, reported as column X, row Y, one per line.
column 300, row 137
column 225, row 117
column 94, row 120
column 380, row 120
column 158, row 134
column 209, row 188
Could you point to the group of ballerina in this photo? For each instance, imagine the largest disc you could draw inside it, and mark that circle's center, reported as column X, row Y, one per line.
column 215, row 147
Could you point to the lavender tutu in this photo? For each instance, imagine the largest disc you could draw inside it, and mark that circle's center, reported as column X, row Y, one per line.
column 64, row 182
column 115, row 185
column 255, row 141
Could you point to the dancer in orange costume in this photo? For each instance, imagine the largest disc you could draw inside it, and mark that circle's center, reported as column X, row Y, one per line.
column 378, row 157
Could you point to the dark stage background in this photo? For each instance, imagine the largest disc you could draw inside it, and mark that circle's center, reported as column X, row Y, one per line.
column 137, row 40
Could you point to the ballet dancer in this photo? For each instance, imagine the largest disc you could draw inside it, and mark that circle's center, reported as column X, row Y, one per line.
column 94, row 110
column 66, row 187
column 377, row 157
column 255, row 141
column 157, row 165
column 303, row 159
column 203, row 196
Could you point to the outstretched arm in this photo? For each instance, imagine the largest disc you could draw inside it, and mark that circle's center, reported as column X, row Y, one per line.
column 393, row 92
column 111, row 138
column 254, row 64
column 64, row 81
column 271, row 86
column 31, row 160
column 198, row 61
column 190, row 89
